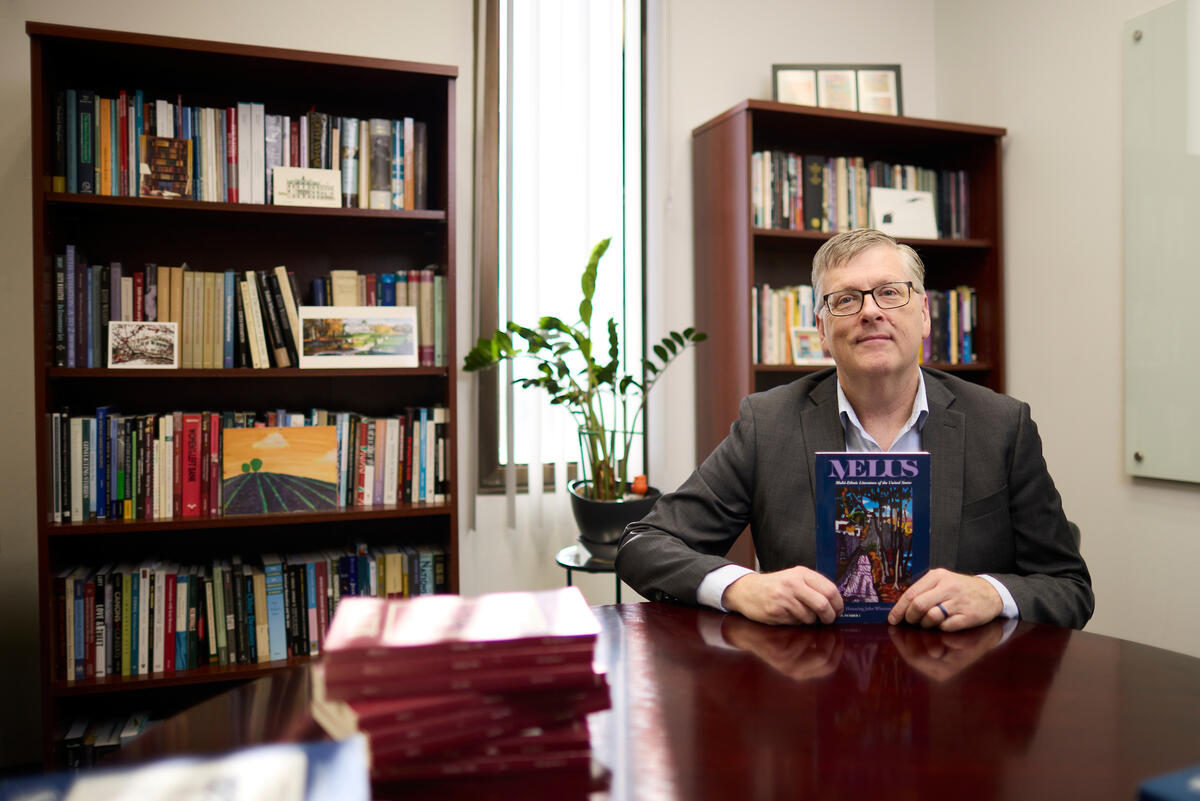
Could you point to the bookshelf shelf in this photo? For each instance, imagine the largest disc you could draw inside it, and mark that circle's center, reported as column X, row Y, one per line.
column 213, row 237
column 239, row 373
column 347, row 515
column 134, row 204
column 820, row 236
column 204, row 675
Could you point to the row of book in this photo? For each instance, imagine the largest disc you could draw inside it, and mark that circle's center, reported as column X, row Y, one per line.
column 116, row 466
column 833, row 193
column 223, row 319
column 952, row 322
column 783, row 326
column 134, row 146
column 776, row 311
column 450, row 686
column 160, row 617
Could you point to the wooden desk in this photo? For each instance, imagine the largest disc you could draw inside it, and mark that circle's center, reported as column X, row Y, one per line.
column 711, row 706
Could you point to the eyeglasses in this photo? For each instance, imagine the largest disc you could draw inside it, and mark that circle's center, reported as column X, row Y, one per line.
column 846, row 302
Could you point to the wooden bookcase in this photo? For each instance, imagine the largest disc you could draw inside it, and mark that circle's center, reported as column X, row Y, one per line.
column 732, row 256
column 218, row 236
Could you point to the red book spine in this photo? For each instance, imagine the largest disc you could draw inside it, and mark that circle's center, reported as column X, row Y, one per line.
column 169, row 624
column 371, row 297
column 139, row 296
column 89, row 628
column 205, row 453
column 360, row 464
column 191, row 466
column 123, row 130
column 408, row 456
column 294, row 156
column 322, row 612
column 214, row 465
column 231, row 158
column 177, row 472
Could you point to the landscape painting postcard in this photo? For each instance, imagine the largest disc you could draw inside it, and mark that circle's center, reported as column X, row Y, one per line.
column 143, row 345
column 358, row 336
column 872, row 527
column 275, row 469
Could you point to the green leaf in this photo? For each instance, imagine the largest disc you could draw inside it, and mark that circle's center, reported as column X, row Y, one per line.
column 650, row 368
column 661, row 353
column 687, row 332
column 678, row 337
column 614, row 342
column 670, row 345
column 588, row 281
column 700, row 337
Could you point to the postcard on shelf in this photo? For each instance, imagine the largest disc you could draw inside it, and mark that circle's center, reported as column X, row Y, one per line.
column 806, row 346
column 277, row 469
column 358, row 336
column 143, row 345
column 903, row 212
column 167, row 169
column 872, row 527
column 307, row 186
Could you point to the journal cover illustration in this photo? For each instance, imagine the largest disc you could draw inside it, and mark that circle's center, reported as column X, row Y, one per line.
column 872, row 527
column 276, row 469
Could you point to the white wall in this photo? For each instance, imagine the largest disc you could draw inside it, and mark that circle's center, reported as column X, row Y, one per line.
column 1051, row 74
column 414, row 30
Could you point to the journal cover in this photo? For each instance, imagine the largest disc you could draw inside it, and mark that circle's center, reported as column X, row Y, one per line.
column 872, row 527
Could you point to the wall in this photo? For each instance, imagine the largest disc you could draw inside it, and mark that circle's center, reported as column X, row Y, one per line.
column 1051, row 74
column 401, row 29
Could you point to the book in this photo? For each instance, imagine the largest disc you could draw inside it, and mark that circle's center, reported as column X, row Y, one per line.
column 872, row 513
column 380, row 165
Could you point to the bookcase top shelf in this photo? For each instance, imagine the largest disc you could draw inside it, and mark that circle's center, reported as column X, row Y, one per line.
column 92, row 37
column 791, row 114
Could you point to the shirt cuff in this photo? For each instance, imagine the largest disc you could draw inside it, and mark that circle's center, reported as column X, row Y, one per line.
column 1010, row 606
column 713, row 586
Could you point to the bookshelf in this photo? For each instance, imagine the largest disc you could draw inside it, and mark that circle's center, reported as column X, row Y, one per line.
column 216, row 236
column 732, row 256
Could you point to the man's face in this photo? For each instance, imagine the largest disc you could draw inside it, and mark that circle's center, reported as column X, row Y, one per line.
column 874, row 342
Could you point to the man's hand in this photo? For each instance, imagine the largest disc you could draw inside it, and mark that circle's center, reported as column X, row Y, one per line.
column 795, row 595
column 949, row 601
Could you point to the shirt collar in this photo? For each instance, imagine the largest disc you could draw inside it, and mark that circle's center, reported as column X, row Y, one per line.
column 920, row 411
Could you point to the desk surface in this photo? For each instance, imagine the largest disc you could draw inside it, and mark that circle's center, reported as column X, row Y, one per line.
column 711, row 706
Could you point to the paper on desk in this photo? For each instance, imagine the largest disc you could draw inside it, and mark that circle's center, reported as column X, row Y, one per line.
column 326, row 771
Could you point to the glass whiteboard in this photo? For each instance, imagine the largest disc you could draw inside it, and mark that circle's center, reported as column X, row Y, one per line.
column 1162, row 242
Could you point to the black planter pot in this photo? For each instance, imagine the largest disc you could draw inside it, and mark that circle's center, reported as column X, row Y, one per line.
column 601, row 523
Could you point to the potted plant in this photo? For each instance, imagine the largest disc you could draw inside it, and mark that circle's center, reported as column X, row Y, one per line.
column 604, row 399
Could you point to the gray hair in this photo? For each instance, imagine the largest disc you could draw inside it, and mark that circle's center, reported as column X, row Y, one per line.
column 843, row 247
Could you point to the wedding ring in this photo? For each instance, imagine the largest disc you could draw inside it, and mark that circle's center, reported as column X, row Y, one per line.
column 944, row 612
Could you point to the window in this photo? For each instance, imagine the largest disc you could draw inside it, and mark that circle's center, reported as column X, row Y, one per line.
column 569, row 174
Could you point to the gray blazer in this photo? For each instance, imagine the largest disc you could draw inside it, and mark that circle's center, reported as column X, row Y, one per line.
column 994, row 508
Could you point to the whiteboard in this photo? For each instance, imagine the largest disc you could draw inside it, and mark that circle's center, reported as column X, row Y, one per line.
column 1161, row 163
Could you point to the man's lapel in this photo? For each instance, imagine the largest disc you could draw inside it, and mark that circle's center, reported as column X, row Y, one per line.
column 943, row 436
column 821, row 424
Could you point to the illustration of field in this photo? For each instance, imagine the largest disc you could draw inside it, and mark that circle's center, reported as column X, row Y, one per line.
column 874, row 542
column 277, row 469
column 346, row 336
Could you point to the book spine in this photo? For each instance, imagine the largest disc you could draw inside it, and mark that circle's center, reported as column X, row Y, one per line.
column 86, row 128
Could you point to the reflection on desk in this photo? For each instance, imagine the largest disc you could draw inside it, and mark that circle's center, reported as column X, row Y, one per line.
column 712, row 706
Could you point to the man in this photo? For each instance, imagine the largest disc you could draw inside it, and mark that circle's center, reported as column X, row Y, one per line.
column 1000, row 545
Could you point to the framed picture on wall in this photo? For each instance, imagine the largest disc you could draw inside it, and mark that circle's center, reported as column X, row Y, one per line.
column 870, row 88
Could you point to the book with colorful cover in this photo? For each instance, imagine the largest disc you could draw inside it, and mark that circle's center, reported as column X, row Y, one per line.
column 280, row 469
column 872, row 527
